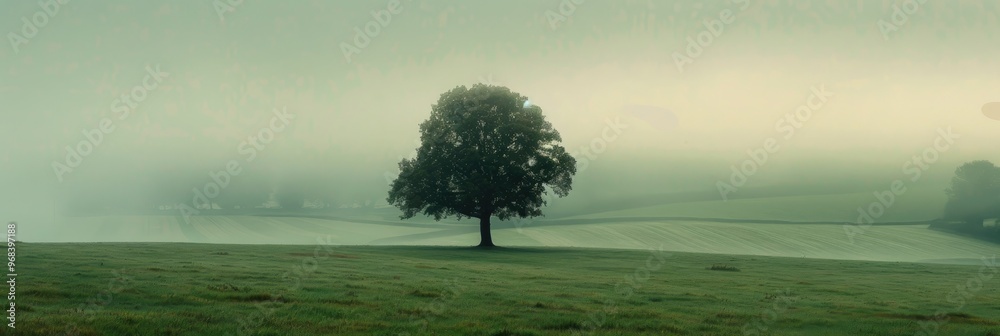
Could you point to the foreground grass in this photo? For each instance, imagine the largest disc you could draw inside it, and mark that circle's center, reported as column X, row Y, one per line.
column 200, row 289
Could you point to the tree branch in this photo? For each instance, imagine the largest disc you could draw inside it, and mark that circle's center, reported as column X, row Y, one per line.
column 466, row 215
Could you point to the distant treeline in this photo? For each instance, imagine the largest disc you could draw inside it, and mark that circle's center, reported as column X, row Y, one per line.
column 973, row 204
column 215, row 189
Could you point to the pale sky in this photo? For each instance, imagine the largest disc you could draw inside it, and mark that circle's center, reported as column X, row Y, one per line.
column 891, row 93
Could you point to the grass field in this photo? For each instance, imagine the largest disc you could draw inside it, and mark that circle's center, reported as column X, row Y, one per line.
column 918, row 204
column 876, row 243
column 776, row 272
column 206, row 289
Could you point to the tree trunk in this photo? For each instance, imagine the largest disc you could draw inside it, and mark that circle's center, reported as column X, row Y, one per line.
column 486, row 240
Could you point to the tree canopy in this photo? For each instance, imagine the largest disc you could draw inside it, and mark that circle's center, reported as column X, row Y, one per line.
column 484, row 152
column 974, row 194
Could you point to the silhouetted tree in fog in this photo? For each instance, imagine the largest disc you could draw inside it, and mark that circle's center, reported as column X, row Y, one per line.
column 974, row 194
column 485, row 151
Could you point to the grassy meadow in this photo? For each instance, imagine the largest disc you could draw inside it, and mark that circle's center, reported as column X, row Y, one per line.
column 683, row 268
column 319, row 289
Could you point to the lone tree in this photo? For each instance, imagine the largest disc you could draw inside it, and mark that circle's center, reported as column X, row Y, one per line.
column 974, row 194
column 485, row 151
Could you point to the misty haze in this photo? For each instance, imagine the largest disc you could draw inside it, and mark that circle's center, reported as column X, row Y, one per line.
column 558, row 167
